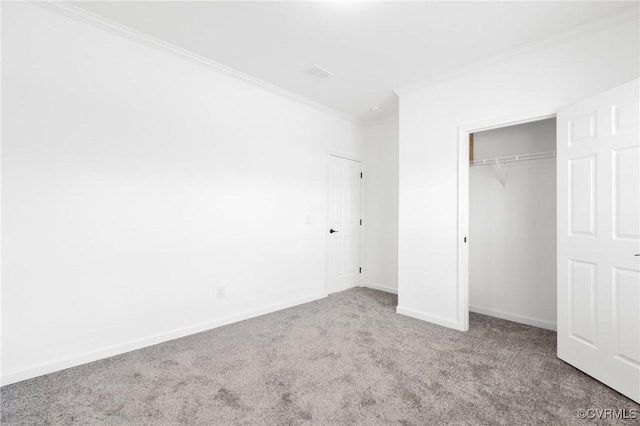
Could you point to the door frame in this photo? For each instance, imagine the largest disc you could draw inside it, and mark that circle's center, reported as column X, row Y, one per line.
column 326, row 214
column 463, row 196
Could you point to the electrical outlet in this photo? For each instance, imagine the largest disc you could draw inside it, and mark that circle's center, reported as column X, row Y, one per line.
column 222, row 292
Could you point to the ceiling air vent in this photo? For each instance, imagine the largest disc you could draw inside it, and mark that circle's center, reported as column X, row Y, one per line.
column 318, row 73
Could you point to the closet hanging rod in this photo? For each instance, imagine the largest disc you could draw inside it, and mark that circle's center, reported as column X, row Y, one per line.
column 513, row 158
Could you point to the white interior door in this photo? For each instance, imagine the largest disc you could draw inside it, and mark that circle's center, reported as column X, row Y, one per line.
column 343, row 224
column 599, row 238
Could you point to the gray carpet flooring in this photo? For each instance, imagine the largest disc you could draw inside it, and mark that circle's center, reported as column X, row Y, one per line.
column 348, row 359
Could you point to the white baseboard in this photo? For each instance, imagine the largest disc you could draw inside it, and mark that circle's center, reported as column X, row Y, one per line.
column 515, row 318
column 381, row 288
column 54, row 366
column 427, row 317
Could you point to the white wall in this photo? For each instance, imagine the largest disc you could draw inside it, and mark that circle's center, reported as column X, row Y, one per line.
column 380, row 269
column 512, row 228
column 135, row 182
column 543, row 80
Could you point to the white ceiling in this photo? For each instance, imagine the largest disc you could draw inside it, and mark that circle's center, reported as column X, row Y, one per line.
column 370, row 47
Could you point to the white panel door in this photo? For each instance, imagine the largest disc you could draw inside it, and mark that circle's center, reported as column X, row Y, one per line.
column 599, row 238
column 343, row 224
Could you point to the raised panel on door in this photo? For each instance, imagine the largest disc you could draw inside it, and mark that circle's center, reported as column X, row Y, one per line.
column 338, row 257
column 351, row 254
column 626, row 193
column 582, row 198
column 337, row 210
column 583, row 302
column 582, row 129
column 624, row 115
column 626, row 296
column 352, row 208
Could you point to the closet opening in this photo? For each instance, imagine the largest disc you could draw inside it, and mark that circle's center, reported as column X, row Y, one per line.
column 511, row 233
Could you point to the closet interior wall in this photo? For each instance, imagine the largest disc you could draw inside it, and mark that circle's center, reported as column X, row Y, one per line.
column 512, row 226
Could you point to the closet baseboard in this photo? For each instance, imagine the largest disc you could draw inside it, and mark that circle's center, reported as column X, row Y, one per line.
column 515, row 318
column 381, row 288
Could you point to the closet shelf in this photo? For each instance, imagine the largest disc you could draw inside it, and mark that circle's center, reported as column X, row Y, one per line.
column 513, row 158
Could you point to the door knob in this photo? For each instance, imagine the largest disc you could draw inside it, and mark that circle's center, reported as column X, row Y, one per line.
column 331, row 231
column 637, row 254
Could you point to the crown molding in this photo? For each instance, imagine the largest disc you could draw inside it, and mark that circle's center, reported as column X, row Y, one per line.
column 79, row 14
column 577, row 32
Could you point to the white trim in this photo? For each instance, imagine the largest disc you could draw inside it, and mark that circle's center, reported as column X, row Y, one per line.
column 463, row 197
column 463, row 229
column 379, row 287
column 577, row 32
column 509, row 120
column 548, row 325
column 84, row 16
column 445, row 322
column 13, row 377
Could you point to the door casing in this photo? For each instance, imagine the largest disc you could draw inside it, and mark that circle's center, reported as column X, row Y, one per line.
column 463, row 198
